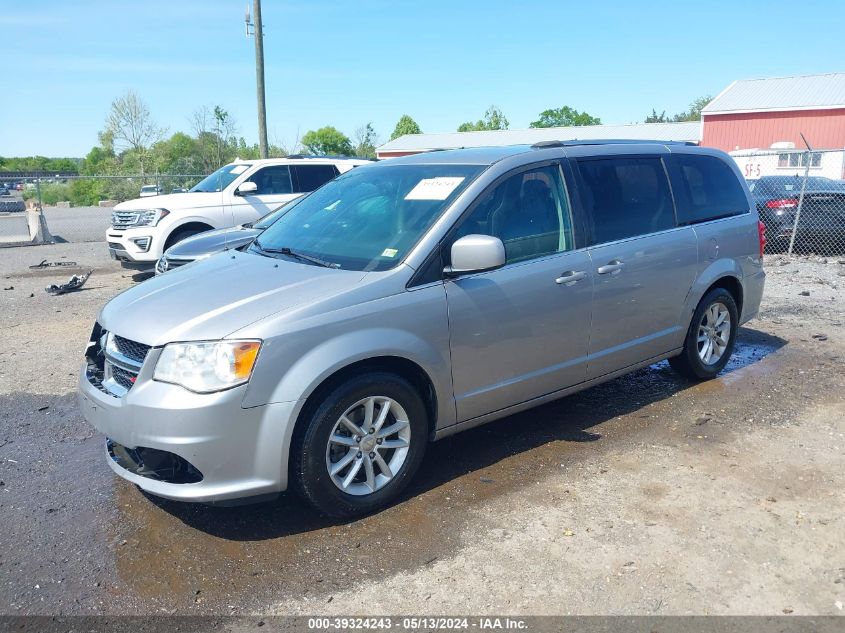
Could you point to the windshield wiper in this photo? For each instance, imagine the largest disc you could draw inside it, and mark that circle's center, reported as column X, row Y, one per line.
column 296, row 255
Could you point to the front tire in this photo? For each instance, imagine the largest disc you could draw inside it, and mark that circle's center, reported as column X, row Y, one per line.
column 711, row 337
column 360, row 447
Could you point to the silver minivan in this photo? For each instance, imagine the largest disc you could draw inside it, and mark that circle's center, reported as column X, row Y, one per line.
column 414, row 298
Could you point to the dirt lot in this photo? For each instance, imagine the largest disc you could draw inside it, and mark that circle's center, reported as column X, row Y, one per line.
column 646, row 495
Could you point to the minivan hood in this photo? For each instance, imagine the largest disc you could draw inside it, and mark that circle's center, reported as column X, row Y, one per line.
column 174, row 201
column 212, row 298
column 211, row 242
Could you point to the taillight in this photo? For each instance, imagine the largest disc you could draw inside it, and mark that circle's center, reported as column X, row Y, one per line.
column 783, row 203
column 761, row 235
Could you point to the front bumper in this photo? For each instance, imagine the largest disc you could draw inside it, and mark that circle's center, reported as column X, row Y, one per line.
column 241, row 452
column 129, row 253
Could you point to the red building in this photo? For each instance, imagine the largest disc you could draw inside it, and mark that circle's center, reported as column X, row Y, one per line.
column 755, row 113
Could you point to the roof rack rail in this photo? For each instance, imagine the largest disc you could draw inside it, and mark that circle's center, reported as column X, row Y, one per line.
column 331, row 156
column 545, row 144
column 610, row 141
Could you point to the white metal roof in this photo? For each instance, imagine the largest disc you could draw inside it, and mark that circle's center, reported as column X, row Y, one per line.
column 686, row 131
column 804, row 92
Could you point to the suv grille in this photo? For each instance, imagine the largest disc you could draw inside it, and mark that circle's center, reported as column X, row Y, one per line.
column 123, row 219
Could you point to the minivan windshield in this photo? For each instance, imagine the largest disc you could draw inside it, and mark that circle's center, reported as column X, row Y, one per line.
column 220, row 179
column 367, row 219
column 266, row 220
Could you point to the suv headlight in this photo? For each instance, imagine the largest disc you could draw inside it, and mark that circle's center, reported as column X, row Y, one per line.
column 151, row 217
column 208, row 366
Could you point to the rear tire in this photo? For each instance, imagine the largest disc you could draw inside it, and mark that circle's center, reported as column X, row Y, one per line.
column 344, row 472
column 711, row 337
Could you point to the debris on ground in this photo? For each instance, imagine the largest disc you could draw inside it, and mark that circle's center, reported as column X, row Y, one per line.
column 74, row 283
column 9, row 288
column 45, row 264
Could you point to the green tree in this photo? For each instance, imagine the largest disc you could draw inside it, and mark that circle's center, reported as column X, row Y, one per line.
column 693, row 113
column 177, row 155
column 130, row 122
column 39, row 163
column 564, row 117
column 493, row 119
column 366, row 140
column 405, row 125
column 327, row 140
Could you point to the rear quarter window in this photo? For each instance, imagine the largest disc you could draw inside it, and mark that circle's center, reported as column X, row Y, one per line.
column 311, row 177
column 706, row 188
column 625, row 197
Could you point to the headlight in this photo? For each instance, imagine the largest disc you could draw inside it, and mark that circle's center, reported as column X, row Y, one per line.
column 151, row 217
column 208, row 366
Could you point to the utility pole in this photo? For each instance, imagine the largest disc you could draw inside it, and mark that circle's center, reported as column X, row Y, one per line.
column 259, row 73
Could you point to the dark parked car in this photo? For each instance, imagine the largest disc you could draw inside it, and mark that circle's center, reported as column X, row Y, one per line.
column 822, row 222
column 210, row 243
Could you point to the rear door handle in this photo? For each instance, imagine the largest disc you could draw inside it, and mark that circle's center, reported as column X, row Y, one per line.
column 613, row 267
column 571, row 277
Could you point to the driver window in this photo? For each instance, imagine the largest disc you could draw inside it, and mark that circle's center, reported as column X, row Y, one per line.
column 528, row 211
column 272, row 180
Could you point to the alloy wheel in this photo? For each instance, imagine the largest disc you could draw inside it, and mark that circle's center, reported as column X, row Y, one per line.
column 368, row 445
column 714, row 333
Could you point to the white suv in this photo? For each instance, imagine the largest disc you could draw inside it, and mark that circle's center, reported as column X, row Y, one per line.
column 243, row 191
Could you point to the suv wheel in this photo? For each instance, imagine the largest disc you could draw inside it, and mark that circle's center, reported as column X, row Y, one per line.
column 711, row 337
column 361, row 446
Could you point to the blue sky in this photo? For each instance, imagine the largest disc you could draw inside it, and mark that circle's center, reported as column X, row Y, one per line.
column 344, row 62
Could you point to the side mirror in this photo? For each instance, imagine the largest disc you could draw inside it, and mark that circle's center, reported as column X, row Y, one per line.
column 246, row 189
column 476, row 253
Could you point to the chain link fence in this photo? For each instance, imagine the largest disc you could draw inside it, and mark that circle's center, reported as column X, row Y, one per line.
column 800, row 195
column 78, row 208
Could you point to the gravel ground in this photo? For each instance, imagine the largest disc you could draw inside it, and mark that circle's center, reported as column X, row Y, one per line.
column 645, row 495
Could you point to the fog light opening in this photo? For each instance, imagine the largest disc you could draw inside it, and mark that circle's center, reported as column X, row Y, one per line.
column 143, row 243
column 154, row 464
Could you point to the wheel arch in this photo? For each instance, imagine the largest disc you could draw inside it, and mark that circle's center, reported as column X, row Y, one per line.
column 733, row 285
column 723, row 273
column 189, row 224
column 397, row 365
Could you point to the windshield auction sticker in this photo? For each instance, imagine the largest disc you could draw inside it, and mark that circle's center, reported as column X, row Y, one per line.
column 434, row 188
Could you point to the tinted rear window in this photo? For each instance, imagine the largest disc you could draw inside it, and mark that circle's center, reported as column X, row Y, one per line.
column 708, row 189
column 625, row 197
column 311, row 177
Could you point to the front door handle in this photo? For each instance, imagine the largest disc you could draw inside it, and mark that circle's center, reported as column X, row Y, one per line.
column 613, row 267
column 571, row 277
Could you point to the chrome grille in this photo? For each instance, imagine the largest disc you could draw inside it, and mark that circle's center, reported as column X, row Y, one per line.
column 166, row 263
column 123, row 219
column 123, row 361
column 131, row 349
